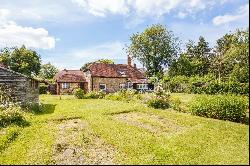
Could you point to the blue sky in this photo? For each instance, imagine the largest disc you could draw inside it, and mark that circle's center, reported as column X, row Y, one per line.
column 69, row 33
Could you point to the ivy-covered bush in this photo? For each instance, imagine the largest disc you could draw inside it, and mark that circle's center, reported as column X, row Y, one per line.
column 225, row 107
column 78, row 93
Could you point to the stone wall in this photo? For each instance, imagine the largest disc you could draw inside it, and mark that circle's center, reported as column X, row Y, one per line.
column 19, row 87
column 112, row 84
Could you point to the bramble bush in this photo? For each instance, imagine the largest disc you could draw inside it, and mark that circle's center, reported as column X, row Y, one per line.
column 224, row 107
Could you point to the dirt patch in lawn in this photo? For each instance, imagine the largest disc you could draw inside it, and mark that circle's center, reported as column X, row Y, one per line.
column 152, row 123
column 97, row 151
column 77, row 145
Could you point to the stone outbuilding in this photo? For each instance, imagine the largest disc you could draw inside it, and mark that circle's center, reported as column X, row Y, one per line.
column 18, row 87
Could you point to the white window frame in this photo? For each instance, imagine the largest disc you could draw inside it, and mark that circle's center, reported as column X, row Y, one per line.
column 122, row 86
column 130, row 85
column 65, row 85
column 102, row 85
column 142, row 86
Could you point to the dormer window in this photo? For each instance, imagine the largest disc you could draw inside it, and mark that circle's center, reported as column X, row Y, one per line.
column 122, row 73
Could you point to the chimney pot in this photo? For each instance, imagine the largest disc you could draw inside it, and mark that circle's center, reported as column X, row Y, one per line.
column 129, row 61
column 134, row 65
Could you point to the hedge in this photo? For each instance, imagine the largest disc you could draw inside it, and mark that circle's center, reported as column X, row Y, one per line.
column 225, row 107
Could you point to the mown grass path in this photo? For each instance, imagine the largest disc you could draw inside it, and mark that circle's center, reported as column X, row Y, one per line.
column 98, row 131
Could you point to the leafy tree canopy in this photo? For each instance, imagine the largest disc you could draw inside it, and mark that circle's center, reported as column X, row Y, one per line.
column 21, row 60
column 155, row 48
column 47, row 71
column 231, row 57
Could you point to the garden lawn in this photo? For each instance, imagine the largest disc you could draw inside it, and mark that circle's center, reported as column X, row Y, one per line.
column 98, row 131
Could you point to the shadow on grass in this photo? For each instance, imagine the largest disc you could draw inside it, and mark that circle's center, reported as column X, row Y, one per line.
column 121, row 112
column 43, row 109
column 246, row 121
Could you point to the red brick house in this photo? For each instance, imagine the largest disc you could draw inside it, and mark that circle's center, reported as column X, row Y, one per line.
column 104, row 77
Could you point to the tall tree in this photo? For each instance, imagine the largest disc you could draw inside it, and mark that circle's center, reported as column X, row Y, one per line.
column 21, row 60
column 48, row 71
column 181, row 66
column 194, row 61
column 155, row 48
column 232, row 56
column 199, row 55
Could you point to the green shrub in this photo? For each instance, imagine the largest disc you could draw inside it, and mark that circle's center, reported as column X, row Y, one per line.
column 78, row 93
column 114, row 96
column 43, row 89
column 124, row 94
column 12, row 115
column 214, row 87
column 207, row 84
column 95, row 95
column 175, row 103
column 158, row 102
column 159, row 99
column 178, row 84
column 225, row 107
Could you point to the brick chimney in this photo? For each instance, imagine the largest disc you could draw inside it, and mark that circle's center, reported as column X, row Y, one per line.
column 129, row 61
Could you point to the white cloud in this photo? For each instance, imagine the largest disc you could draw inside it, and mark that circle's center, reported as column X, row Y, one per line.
column 154, row 8
column 4, row 13
column 242, row 13
column 12, row 34
column 101, row 8
column 181, row 15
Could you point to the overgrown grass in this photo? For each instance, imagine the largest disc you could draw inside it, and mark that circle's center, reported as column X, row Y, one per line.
column 197, row 141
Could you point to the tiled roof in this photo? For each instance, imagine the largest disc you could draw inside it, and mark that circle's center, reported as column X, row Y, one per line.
column 138, row 81
column 70, row 76
column 115, row 70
